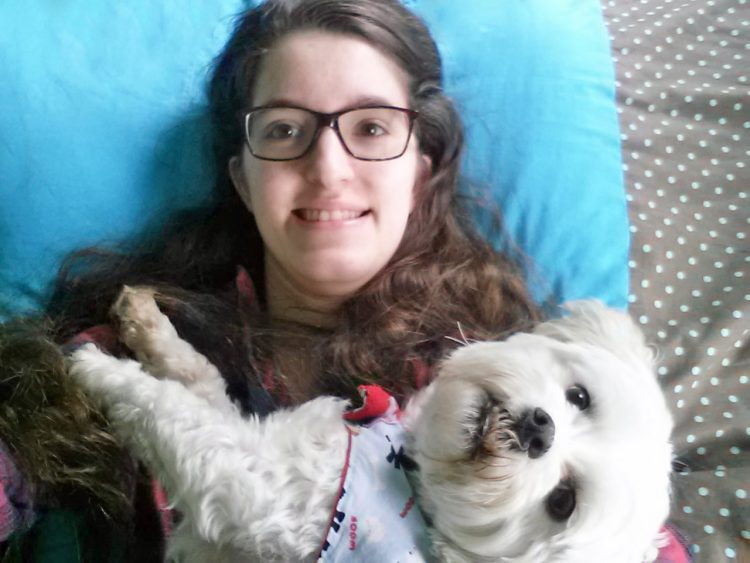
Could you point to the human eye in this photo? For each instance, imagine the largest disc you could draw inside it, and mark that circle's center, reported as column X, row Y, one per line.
column 374, row 133
column 279, row 125
column 374, row 123
column 371, row 128
column 281, row 131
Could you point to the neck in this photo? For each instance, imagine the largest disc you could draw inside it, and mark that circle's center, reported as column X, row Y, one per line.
column 287, row 302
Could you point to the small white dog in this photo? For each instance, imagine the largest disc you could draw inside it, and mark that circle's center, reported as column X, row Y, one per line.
column 549, row 446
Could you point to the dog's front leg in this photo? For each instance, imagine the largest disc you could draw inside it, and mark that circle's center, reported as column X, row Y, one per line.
column 151, row 336
column 265, row 487
column 152, row 416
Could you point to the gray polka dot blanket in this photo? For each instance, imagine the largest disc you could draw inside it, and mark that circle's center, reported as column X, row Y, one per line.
column 683, row 97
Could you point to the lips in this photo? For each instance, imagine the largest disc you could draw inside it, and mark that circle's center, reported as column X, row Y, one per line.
column 328, row 215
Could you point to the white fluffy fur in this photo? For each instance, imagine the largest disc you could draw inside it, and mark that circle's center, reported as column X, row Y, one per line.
column 253, row 490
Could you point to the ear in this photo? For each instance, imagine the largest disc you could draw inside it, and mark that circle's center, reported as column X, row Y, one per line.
column 424, row 173
column 236, row 173
column 592, row 322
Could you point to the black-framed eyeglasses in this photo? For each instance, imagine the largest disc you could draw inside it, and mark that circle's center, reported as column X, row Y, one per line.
column 367, row 133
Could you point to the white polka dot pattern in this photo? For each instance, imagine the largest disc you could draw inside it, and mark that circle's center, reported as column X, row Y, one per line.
column 684, row 104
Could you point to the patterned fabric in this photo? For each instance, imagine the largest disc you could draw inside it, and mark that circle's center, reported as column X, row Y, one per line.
column 375, row 518
column 16, row 511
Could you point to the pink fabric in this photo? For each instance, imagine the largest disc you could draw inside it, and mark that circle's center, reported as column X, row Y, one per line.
column 104, row 336
column 166, row 514
column 676, row 550
column 16, row 510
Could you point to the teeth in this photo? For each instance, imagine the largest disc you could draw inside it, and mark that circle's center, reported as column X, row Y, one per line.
column 324, row 215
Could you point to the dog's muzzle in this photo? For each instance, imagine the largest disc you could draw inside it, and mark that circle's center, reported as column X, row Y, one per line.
column 536, row 432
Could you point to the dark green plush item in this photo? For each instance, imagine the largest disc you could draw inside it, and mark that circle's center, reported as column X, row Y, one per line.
column 60, row 536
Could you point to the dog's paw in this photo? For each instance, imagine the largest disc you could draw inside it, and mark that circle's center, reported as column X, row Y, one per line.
column 155, row 342
column 139, row 318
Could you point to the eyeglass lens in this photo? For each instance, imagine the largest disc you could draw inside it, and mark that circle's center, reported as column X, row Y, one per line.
column 284, row 133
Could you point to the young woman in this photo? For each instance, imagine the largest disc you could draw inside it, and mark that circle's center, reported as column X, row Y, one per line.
column 338, row 250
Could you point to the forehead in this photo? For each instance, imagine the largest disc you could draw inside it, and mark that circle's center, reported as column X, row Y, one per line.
column 327, row 72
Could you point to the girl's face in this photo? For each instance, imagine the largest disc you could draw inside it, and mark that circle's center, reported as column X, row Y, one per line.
column 329, row 222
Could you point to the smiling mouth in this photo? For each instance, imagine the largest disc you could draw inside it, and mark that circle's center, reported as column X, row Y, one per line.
column 324, row 215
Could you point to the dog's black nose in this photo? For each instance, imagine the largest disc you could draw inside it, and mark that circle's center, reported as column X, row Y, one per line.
column 536, row 432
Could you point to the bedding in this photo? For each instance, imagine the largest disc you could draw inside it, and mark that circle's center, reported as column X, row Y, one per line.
column 683, row 97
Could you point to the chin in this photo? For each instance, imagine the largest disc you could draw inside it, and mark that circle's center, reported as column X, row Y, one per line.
column 336, row 267
column 551, row 446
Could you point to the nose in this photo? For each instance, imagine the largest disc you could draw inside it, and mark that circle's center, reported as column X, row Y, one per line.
column 328, row 163
column 536, row 432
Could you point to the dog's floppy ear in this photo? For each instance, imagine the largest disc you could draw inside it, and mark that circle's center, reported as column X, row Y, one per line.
column 415, row 406
column 591, row 322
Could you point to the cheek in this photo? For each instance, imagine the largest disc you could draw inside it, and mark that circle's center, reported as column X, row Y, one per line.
column 264, row 189
column 402, row 185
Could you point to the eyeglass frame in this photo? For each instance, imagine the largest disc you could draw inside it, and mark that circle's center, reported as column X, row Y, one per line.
column 327, row 120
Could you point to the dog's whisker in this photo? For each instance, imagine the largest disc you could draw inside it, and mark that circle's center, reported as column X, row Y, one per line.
column 461, row 332
column 456, row 340
column 463, row 340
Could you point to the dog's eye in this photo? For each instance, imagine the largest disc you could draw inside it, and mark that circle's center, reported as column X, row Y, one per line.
column 578, row 396
column 561, row 502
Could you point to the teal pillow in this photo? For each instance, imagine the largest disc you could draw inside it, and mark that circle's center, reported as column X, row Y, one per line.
column 103, row 129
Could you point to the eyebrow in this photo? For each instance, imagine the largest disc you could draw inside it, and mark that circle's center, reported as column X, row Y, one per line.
column 362, row 101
